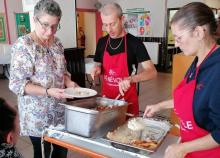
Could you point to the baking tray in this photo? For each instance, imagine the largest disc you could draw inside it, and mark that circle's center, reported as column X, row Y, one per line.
column 82, row 118
column 154, row 130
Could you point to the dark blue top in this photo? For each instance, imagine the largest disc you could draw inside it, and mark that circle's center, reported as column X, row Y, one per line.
column 206, row 101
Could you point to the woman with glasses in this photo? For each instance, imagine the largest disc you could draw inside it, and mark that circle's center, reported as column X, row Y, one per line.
column 196, row 99
column 118, row 55
column 38, row 77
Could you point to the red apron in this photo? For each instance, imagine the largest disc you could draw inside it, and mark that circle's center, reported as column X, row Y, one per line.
column 115, row 69
column 183, row 106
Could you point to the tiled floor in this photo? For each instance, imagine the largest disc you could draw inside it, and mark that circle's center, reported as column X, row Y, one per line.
column 150, row 92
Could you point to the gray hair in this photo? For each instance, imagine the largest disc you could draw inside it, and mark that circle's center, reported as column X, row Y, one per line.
column 49, row 7
column 111, row 8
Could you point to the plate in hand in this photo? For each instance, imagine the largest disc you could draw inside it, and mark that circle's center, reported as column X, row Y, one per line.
column 79, row 92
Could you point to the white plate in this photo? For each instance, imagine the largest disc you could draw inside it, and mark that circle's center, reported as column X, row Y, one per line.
column 80, row 92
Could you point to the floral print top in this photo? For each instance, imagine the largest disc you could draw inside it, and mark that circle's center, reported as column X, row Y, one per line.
column 42, row 66
column 9, row 151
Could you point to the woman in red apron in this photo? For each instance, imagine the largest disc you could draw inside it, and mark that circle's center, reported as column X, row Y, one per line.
column 196, row 38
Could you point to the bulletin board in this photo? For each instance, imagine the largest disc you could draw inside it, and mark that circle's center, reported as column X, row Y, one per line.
column 22, row 24
column 3, row 35
column 138, row 23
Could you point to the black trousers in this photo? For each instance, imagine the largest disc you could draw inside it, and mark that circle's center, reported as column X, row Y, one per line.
column 57, row 152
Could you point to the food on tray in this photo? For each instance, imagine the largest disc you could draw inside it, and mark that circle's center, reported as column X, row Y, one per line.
column 141, row 133
column 149, row 144
column 131, row 138
column 104, row 107
column 136, row 124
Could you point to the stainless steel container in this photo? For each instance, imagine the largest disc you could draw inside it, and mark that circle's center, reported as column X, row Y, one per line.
column 81, row 118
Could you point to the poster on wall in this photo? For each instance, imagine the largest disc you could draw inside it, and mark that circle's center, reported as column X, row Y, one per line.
column 143, row 24
column 131, row 23
column 2, row 28
column 138, row 23
column 22, row 24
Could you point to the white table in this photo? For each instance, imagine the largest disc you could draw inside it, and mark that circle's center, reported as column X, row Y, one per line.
column 100, row 148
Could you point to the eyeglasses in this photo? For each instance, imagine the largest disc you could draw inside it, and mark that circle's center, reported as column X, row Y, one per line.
column 46, row 26
column 178, row 39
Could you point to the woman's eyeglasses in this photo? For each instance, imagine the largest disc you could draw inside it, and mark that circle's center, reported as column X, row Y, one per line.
column 46, row 26
column 178, row 39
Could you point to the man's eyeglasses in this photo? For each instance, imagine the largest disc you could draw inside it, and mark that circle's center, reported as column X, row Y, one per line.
column 111, row 25
column 46, row 26
column 178, row 39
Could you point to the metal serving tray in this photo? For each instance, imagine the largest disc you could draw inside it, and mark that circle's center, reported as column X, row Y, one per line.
column 82, row 119
column 157, row 128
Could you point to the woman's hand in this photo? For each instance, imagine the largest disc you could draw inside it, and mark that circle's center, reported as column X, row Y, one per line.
column 72, row 84
column 57, row 93
column 150, row 110
column 175, row 151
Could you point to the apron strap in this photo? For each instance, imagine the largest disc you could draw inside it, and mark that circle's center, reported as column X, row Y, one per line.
column 209, row 53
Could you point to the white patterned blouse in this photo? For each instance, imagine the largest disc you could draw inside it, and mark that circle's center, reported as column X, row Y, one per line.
column 42, row 66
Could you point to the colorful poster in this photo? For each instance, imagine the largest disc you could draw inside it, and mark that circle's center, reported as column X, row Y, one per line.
column 138, row 23
column 131, row 23
column 22, row 23
column 144, row 24
column 2, row 28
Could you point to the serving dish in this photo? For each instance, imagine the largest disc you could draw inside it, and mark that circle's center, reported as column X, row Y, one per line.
column 82, row 117
column 146, row 141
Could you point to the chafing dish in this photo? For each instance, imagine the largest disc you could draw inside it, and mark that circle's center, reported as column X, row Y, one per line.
column 82, row 117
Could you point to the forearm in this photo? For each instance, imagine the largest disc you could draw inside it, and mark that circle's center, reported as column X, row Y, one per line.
column 143, row 76
column 167, row 104
column 203, row 143
column 148, row 72
column 37, row 90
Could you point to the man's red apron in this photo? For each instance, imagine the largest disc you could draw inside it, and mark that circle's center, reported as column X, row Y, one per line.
column 183, row 106
column 115, row 69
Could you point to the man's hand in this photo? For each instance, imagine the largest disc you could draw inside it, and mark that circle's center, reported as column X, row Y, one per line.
column 96, row 71
column 124, row 85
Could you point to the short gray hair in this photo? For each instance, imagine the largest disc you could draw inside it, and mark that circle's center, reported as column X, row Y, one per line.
column 110, row 8
column 49, row 7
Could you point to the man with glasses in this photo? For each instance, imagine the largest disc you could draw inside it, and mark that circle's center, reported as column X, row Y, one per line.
column 117, row 57
column 38, row 77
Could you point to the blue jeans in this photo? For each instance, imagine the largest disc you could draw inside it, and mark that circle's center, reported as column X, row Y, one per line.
column 58, row 151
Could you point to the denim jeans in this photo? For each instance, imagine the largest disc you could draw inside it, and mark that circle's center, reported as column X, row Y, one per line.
column 57, row 152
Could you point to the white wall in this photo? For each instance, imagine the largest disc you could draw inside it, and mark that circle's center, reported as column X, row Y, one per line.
column 157, row 13
column 2, row 9
column 67, row 33
column 13, row 8
column 179, row 3
column 157, row 10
